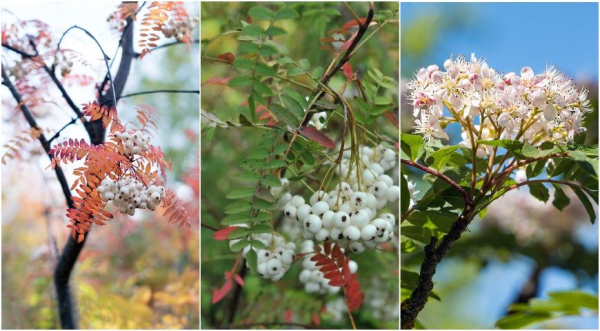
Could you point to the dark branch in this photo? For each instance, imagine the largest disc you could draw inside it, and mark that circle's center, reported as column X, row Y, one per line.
column 443, row 177
column 159, row 91
column 362, row 29
column 62, row 273
column 433, row 256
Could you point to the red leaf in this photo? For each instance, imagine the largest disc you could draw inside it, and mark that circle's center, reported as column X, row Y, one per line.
column 239, row 280
column 219, row 294
column 316, row 319
column 347, row 70
column 223, row 233
column 313, row 134
column 336, row 282
column 318, row 257
column 288, row 316
column 352, row 23
column 227, row 57
column 393, row 117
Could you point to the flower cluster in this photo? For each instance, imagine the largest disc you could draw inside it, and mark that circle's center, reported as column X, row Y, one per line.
column 310, row 275
column 129, row 194
column 348, row 214
column 526, row 107
column 134, row 142
column 181, row 30
column 276, row 259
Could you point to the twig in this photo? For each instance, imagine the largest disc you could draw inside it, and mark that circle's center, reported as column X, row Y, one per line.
column 204, row 225
column 195, row 41
column 443, row 177
column 57, row 134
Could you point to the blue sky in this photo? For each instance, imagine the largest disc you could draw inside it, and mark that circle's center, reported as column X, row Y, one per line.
column 513, row 35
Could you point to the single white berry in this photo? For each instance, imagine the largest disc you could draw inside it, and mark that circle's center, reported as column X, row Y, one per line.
column 352, row 233
column 368, row 232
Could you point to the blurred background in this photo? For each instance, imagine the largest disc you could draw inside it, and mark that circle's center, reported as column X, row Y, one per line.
column 135, row 272
column 522, row 248
column 224, row 149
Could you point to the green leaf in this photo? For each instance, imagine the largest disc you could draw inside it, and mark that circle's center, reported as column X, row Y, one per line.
column 561, row 200
column 292, row 105
column 511, row 145
column 265, row 70
column 578, row 298
column 304, row 64
column 253, row 31
column 285, row 60
column 248, row 48
column 442, row 156
column 271, row 181
column 252, row 260
column 261, row 228
column 535, row 169
column 240, row 81
column 241, row 193
column 318, row 72
column 264, row 205
column 296, row 71
column 238, row 207
column 586, row 203
column 405, row 194
column 276, row 164
column 259, row 153
column 242, row 63
column 248, row 176
column 257, row 244
column 238, row 233
column 240, row 245
column 286, row 13
column 261, row 13
column 285, row 115
column 412, row 145
column 539, row 191
column 273, row 31
column 520, row 320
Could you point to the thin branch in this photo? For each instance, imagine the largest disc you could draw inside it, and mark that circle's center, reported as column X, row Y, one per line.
column 57, row 134
column 159, row 91
column 52, row 76
column 443, row 177
column 195, row 41
column 204, row 225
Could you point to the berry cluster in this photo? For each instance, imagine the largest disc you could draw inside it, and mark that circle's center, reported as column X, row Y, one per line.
column 129, row 194
column 180, row 30
column 348, row 214
column 62, row 63
column 276, row 259
column 19, row 70
column 310, row 275
column 116, row 21
column 134, row 143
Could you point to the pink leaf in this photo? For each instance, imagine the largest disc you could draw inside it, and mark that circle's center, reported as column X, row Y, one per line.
column 219, row 294
column 239, row 280
column 347, row 70
column 313, row 134
column 223, row 233
column 288, row 316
